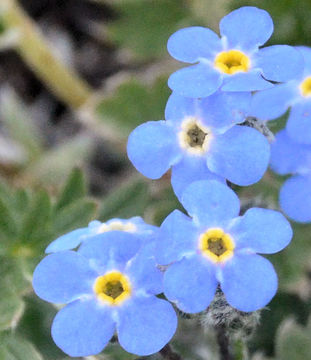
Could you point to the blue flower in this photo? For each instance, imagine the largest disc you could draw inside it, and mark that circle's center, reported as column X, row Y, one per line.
column 73, row 239
column 289, row 157
column 107, row 287
column 217, row 246
column 200, row 141
column 233, row 62
column 272, row 103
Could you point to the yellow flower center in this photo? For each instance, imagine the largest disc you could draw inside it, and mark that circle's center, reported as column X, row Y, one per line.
column 216, row 245
column 112, row 288
column 194, row 137
column 305, row 87
column 117, row 226
column 232, row 61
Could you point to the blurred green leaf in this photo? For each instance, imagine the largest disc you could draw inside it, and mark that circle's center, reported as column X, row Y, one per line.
column 74, row 189
column 77, row 214
column 14, row 347
column 293, row 341
column 134, row 103
column 144, row 27
column 128, row 200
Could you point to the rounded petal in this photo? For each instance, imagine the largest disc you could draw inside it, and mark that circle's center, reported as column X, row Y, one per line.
column 299, row 123
column 280, row 62
column 63, row 277
column 192, row 43
column 179, row 107
column 177, row 238
column 146, row 325
column 191, row 284
column 288, row 156
column 144, row 273
column 246, row 81
column 152, row 148
column 195, row 81
column 210, row 202
column 68, row 241
column 241, row 155
column 272, row 103
column 224, row 109
column 246, row 28
column 262, row 231
column 83, row 328
column 295, row 198
column 249, row 282
column 188, row 170
column 110, row 248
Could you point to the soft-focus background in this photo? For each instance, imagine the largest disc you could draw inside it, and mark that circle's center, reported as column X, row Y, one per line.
column 69, row 97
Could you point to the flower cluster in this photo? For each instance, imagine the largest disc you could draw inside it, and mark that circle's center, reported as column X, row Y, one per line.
column 109, row 274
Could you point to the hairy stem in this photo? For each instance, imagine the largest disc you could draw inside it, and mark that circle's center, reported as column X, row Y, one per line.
column 223, row 343
column 168, row 354
column 64, row 82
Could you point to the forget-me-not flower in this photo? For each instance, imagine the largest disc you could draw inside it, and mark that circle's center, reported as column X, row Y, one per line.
column 233, row 62
column 73, row 239
column 200, row 140
column 290, row 157
column 107, row 286
column 272, row 103
column 216, row 246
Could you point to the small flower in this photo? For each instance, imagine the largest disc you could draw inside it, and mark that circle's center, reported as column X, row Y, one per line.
column 217, row 246
column 108, row 286
column 272, row 103
column 233, row 62
column 200, row 141
column 289, row 157
column 73, row 239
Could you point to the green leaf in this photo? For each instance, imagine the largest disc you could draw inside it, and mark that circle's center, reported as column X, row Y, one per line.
column 14, row 347
column 144, row 26
column 128, row 200
column 74, row 189
column 7, row 221
column 293, row 341
column 77, row 214
column 134, row 103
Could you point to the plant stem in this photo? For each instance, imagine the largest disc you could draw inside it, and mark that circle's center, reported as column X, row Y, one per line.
column 64, row 82
column 168, row 354
column 223, row 343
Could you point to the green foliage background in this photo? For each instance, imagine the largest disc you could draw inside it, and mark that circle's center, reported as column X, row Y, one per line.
column 44, row 191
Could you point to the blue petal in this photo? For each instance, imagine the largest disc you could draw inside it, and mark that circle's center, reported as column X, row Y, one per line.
column 108, row 249
column 210, row 202
column 272, row 103
column 144, row 274
column 83, row 328
column 192, row 43
column 179, row 107
column 177, row 238
column 306, row 53
column 63, row 277
column 245, row 81
column 299, row 123
column 146, row 325
column 190, row 169
column 279, row 62
column 152, row 148
column 199, row 80
column 68, row 241
column 262, row 230
column 288, row 156
column 249, row 282
column 241, row 155
column 224, row 109
column 246, row 28
column 190, row 284
column 295, row 198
